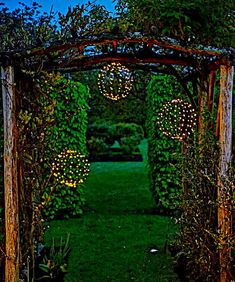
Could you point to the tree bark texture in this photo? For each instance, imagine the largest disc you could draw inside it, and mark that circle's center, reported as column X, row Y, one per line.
column 10, row 176
column 225, row 139
column 203, row 96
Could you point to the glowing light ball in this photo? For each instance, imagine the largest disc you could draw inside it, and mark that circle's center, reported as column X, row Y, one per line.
column 115, row 81
column 70, row 168
column 177, row 119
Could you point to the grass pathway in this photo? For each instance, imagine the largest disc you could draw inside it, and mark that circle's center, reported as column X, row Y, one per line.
column 112, row 240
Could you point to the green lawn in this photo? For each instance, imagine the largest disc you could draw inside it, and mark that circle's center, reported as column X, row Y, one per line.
column 112, row 240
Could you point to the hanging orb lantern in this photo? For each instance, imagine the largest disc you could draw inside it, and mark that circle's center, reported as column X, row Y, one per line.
column 70, row 168
column 115, row 81
column 177, row 119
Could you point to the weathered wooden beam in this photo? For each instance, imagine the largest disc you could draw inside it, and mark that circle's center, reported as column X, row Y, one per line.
column 210, row 96
column 10, row 176
column 102, row 40
column 86, row 62
column 225, row 139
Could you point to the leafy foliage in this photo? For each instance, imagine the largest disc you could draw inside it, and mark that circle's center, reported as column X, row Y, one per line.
column 163, row 151
column 34, row 117
column 27, row 27
column 129, row 136
column 39, row 142
column 54, row 264
column 189, row 21
column 83, row 20
column 67, row 132
column 99, row 138
column 200, row 237
column 70, row 114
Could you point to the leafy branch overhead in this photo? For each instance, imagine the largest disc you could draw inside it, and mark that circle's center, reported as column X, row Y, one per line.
column 190, row 22
column 29, row 27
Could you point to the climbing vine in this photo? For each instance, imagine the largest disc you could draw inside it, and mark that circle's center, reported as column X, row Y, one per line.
column 200, row 239
column 163, row 152
column 68, row 133
column 51, row 116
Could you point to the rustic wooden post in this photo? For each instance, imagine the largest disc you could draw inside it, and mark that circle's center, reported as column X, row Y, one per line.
column 184, row 182
column 217, row 130
column 10, row 176
column 211, row 91
column 203, row 94
column 225, row 138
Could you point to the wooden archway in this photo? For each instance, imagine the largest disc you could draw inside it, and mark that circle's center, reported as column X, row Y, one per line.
column 86, row 53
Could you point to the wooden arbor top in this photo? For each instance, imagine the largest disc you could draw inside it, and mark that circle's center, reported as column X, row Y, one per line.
column 133, row 49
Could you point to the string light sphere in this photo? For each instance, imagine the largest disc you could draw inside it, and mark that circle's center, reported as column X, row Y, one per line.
column 70, row 168
column 115, row 81
column 177, row 119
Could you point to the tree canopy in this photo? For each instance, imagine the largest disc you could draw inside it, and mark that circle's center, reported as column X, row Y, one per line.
column 192, row 22
column 189, row 22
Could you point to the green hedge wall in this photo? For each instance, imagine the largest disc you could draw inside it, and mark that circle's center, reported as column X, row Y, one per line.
column 162, row 151
column 68, row 132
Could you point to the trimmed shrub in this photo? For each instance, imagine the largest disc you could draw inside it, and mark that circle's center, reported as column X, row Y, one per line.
column 97, row 145
column 163, row 152
column 102, row 131
column 128, row 129
column 129, row 144
column 101, row 137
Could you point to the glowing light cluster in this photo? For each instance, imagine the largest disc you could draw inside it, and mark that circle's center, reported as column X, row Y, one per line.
column 115, row 81
column 70, row 168
column 177, row 119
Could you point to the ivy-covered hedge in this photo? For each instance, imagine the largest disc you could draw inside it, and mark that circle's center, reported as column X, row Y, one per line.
column 67, row 133
column 162, row 151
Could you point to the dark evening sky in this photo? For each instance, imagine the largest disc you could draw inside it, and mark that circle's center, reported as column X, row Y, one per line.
column 58, row 5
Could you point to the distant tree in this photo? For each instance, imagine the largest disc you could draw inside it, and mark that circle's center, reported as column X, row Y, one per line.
column 209, row 22
column 191, row 22
column 28, row 27
column 132, row 109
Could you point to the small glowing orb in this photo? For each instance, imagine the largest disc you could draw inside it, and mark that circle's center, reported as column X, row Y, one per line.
column 70, row 168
